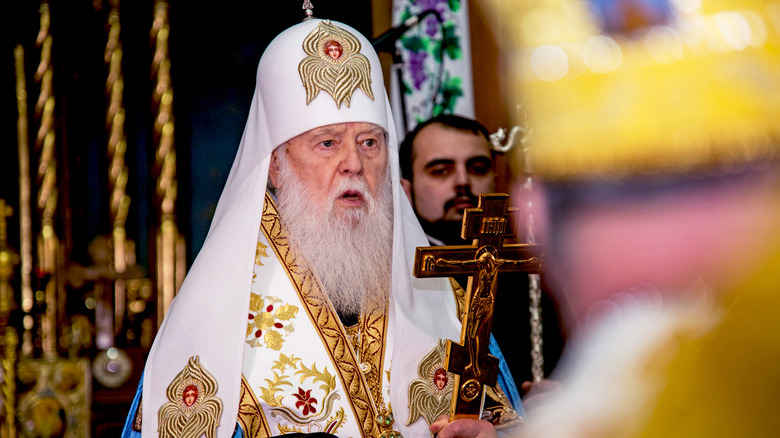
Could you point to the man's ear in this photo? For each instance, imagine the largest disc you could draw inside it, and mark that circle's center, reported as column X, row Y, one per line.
column 407, row 186
column 273, row 171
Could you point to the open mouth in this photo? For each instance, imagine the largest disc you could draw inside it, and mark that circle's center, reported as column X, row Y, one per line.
column 352, row 196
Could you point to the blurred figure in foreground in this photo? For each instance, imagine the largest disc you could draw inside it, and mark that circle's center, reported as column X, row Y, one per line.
column 655, row 132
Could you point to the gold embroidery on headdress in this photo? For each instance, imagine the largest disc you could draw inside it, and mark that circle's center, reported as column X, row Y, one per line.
column 193, row 409
column 430, row 395
column 334, row 65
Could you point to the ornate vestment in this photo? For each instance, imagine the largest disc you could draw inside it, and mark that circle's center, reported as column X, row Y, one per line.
column 303, row 371
column 300, row 363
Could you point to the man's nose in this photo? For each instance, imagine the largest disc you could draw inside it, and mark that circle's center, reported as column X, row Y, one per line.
column 350, row 159
column 461, row 176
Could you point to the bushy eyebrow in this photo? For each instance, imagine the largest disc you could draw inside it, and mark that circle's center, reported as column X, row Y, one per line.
column 439, row 162
column 480, row 159
column 447, row 161
column 375, row 130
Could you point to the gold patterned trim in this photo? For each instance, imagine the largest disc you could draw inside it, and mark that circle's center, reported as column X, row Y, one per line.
column 324, row 318
column 193, row 408
column 502, row 415
column 338, row 74
column 138, row 419
column 250, row 415
column 372, row 347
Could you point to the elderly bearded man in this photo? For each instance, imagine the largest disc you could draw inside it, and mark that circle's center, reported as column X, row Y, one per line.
column 300, row 313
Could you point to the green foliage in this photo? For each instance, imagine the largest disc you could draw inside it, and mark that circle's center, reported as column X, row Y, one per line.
column 406, row 14
column 406, row 89
column 451, row 89
column 416, row 43
column 451, row 41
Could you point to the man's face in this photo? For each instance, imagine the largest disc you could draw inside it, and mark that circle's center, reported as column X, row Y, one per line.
column 324, row 158
column 450, row 168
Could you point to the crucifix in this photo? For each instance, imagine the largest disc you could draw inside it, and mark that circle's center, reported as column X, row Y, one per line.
column 488, row 225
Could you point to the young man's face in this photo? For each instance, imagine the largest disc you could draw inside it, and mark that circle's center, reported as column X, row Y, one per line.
column 450, row 168
column 325, row 157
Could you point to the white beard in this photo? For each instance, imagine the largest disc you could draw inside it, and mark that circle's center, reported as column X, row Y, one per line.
column 350, row 252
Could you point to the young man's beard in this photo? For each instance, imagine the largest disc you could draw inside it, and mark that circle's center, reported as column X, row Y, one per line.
column 348, row 249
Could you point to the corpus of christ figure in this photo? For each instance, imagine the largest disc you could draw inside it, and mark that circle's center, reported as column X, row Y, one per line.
column 480, row 307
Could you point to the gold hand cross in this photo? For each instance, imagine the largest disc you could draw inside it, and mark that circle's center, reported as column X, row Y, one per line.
column 488, row 225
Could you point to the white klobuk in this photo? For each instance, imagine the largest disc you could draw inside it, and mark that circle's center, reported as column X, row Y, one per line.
column 208, row 318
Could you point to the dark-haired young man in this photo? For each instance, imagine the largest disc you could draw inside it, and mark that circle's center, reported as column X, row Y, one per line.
column 446, row 163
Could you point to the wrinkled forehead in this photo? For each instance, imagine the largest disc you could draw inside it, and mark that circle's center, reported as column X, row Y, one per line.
column 338, row 131
column 301, row 88
column 357, row 128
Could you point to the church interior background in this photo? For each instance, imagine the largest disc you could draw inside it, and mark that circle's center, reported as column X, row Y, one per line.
column 108, row 181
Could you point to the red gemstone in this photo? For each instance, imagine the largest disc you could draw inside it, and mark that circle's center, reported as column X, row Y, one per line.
column 258, row 333
column 251, row 316
column 269, row 308
column 278, row 325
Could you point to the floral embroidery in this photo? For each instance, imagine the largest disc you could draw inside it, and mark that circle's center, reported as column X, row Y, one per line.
column 260, row 252
column 305, row 401
column 269, row 321
column 427, row 48
column 328, row 417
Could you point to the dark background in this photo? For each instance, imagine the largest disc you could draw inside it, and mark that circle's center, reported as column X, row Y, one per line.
column 214, row 51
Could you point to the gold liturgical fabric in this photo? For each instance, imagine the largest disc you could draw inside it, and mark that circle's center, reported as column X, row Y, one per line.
column 299, row 362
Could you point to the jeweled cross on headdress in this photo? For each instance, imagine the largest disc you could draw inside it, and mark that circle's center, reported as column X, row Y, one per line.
column 307, row 6
column 488, row 225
